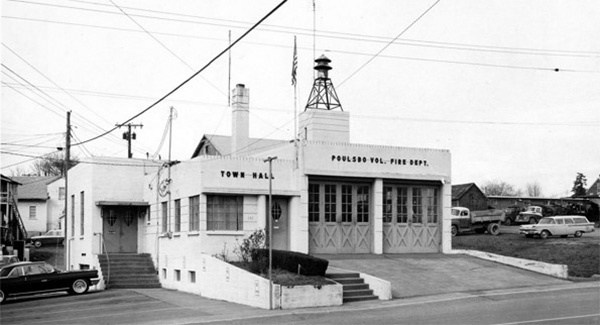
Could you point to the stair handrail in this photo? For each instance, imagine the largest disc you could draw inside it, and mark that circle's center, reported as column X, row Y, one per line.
column 20, row 225
column 103, row 243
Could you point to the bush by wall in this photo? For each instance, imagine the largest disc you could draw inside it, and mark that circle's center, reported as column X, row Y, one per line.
column 292, row 261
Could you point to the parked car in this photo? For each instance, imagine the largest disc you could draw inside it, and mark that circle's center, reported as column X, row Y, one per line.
column 52, row 237
column 36, row 277
column 511, row 213
column 558, row 226
column 8, row 259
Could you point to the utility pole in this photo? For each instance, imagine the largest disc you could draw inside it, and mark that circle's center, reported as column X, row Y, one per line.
column 270, row 216
column 66, row 166
column 127, row 135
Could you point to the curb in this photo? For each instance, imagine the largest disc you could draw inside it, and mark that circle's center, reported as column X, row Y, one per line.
column 555, row 270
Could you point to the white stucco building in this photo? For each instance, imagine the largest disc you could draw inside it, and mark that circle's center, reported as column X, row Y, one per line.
column 330, row 196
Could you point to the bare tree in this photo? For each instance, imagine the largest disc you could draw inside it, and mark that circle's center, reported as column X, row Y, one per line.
column 499, row 188
column 52, row 164
column 534, row 189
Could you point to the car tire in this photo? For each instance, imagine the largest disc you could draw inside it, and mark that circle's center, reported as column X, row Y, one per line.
column 2, row 296
column 37, row 244
column 79, row 286
column 544, row 234
column 532, row 221
column 454, row 231
column 493, row 229
column 578, row 234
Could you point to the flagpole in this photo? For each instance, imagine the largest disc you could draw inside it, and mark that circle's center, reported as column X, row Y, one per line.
column 294, row 83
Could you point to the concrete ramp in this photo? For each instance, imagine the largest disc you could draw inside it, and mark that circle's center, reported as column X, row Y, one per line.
column 431, row 274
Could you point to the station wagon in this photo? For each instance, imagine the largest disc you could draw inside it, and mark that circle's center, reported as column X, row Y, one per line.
column 558, row 226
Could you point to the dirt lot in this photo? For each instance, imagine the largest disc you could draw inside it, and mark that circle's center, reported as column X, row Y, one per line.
column 582, row 255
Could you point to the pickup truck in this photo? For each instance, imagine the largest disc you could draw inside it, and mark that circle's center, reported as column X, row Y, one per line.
column 533, row 214
column 464, row 220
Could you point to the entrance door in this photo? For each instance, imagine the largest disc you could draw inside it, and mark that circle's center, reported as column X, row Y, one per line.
column 411, row 219
column 279, row 211
column 339, row 218
column 120, row 229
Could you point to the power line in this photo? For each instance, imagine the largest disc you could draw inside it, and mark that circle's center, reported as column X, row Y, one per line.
column 165, row 47
column 193, row 75
column 390, row 43
column 332, row 34
column 84, row 162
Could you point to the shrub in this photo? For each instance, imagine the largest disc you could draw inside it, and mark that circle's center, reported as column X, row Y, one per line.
column 255, row 240
column 292, row 261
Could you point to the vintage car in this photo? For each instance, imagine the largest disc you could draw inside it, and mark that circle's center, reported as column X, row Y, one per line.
column 52, row 237
column 533, row 214
column 36, row 277
column 558, row 226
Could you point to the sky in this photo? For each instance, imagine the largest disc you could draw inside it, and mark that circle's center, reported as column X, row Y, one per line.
column 510, row 87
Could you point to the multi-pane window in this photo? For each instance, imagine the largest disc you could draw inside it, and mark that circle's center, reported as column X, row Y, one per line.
column 401, row 205
column 417, row 205
column 313, row 202
column 81, row 213
column 362, row 204
column 177, row 221
column 194, row 214
column 165, row 217
column 346, row 203
column 330, row 203
column 431, row 197
column 224, row 212
column 387, row 204
column 32, row 212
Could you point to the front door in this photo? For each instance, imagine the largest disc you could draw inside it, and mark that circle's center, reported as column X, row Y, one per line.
column 279, row 211
column 119, row 229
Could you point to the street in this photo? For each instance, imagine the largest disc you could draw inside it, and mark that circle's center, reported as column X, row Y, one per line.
column 575, row 303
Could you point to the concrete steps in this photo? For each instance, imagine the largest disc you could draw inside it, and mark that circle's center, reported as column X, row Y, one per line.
column 129, row 271
column 355, row 288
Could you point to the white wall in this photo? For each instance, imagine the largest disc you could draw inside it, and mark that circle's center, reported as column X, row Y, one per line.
column 38, row 223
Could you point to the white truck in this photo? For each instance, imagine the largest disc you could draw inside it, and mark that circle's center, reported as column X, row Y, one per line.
column 464, row 220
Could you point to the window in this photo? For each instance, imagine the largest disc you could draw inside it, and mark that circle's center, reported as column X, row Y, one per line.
column 402, row 204
column 72, row 215
column 387, row 204
column 313, row 202
column 177, row 216
column 82, row 216
column 330, row 203
column 417, row 206
column 61, row 193
column 346, row 203
column 32, row 212
column 431, row 197
column 165, row 217
column 177, row 275
column 224, row 212
column 362, row 204
column 192, row 276
column 194, row 213
column 164, row 273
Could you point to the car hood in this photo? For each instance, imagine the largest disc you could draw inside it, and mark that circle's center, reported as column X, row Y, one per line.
column 527, row 227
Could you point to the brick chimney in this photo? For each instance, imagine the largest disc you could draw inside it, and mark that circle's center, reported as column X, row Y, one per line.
column 240, row 125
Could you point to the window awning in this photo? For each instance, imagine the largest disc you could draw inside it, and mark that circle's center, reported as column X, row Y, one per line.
column 123, row 203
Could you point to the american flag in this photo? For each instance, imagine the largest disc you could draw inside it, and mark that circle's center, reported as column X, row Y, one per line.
column 294, row 64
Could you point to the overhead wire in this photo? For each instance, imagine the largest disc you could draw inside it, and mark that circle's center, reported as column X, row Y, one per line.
column 389, row 43
column 327, row 34
column 192, row 76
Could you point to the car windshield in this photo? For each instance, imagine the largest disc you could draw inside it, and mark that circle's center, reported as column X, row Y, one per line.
column 546, row 221
column 531, row 209
column 454, row 212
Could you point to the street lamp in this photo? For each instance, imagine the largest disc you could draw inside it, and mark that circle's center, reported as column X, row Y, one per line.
column 270, row 160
